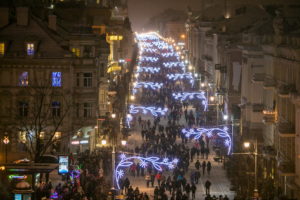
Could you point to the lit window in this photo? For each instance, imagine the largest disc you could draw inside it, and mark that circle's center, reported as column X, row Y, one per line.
column 76, row 51
column 87, row 109
column 57, row 135
column 23, row 109
column 87, row 79
column 55, row 109
column 56, row 79
column 30, row 49
column 23, row 79
column 22, row 136
column 42, row 135
column 2, row 48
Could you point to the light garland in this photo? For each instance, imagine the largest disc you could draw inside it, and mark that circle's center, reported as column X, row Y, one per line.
column 150, row 85
column 222, row 133
column 145, row 110
column 149, row 59
column 156, row 162
column 152, row 70
column 176, row 77
column 173, row 64
column 192, row 95
column 129, row 118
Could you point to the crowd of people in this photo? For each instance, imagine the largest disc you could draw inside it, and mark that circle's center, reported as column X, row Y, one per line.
column 161, row 136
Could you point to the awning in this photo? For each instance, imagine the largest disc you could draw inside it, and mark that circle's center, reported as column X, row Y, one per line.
column 114, row 67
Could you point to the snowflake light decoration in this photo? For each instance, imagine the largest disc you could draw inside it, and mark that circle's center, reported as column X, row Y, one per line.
column 176, row 77
column 209, row 132
column 145, row 110
column 150, row 85
column 151, row 70
column 192, row 95
column 156, row 162
column 149, row 59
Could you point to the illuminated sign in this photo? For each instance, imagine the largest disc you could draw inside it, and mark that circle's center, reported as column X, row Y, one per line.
column 14, row 176
column 76, row 142
column 18, row 197
column 63, row 167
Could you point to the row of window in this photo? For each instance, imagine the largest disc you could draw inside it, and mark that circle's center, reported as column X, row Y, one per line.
column 56, row 79
column 56, row 109
column 30, row 49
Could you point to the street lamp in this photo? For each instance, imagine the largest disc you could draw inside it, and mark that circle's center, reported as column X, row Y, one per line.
column 6, row 142
column 132, row 97
column 123, row 142
column 247, row 145
column 225, row 117
column 103, row 142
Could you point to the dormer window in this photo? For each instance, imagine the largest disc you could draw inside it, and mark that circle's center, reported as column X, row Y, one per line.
column 30, row 49
column 2, row 48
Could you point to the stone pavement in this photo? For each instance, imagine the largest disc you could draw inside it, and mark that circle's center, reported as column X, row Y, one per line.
column 220, row 183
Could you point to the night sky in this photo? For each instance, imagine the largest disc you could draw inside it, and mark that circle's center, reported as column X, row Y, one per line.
column 140, row 11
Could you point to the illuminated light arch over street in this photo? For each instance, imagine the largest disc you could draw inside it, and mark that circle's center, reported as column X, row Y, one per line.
column 156, row 162
column 185, row 76
column 150, row 85
column 155, row 111
column 192, row 95
column 196, row 133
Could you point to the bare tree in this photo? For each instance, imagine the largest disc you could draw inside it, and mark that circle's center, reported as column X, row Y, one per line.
column 41, row 116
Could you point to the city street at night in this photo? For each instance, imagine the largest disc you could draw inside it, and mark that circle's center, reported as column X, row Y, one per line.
column 149, row 100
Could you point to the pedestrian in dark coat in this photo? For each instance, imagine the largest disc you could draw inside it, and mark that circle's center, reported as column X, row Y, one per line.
column 197, row 165
column 207, row 187
column 193, row 189
column 203, row 167
column 208, row 165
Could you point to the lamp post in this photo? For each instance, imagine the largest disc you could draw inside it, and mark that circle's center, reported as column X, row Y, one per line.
column 6, row 142
column 114, row 143
column 247, row 145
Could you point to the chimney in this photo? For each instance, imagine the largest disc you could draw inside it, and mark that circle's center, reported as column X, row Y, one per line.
column 22, row 16
column 4, row 17
column 52, row 22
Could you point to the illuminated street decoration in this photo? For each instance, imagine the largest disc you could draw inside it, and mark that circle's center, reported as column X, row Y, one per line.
column 156, row 162
column 209, row 132
column 150, row 85
column 150, row 59
column 192, row 95
column 129, row 118
column 145, row 110
column 173, row 64
column 170, row 54
column 151, row 70
column 176, row 77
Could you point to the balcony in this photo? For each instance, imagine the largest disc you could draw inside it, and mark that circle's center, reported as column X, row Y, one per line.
column 285, row 90
column 257, row 107
column 258, row 78
column 269, row 84
column 222, row 68
column 286, row 168
column 269, row 116
column 286, row 129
